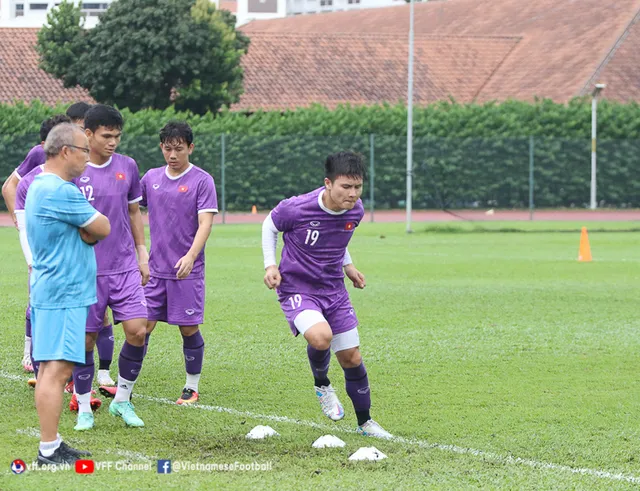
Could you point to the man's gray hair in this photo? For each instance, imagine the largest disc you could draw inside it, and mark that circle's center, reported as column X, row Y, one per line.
column 61, row 135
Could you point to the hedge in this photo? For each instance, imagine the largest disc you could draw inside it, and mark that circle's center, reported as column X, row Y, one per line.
column 464, row 155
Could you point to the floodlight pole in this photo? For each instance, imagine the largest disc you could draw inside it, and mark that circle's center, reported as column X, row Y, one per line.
column 410, row 121
column 594, row 120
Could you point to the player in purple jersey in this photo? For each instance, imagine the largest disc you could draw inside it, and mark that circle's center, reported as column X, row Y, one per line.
column 111, row 184
column 36, row 155
column 181, row 199
column 9, row 192
column 21, row 195
column 317, row 228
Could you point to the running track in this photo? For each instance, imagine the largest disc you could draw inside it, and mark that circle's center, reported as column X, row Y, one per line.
column 389, row 216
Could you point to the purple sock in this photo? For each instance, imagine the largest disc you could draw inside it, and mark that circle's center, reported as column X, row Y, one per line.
column 357, row 384
column 27, row 331
column 130, row 361
column 83, row 374
column 146, row 343
column 193, row 349
column 105, row 343
column 319, row 361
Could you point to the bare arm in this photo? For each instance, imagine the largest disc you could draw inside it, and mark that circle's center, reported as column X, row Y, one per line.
column 9, row 194
column 185, row 264
column 137, row 230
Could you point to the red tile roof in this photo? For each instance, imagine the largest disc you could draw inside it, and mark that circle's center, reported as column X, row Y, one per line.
column 289, row 70
column 20, row 77
column 230, row 5
column 471, row 50
column 563, row 42
column 621, row 71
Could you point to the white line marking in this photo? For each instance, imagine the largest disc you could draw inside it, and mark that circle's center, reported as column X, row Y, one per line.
column 127, row 454
column 501, row 459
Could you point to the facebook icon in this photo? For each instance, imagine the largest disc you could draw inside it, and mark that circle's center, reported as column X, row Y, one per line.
column 164, row 467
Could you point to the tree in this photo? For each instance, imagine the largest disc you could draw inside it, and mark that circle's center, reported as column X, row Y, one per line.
column 148, row 53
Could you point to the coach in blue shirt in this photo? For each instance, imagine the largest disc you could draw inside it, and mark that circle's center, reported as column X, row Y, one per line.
column 61, row 228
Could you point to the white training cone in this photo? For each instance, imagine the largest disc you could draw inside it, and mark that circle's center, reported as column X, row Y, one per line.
column 260, row 432
column 328, row 441
column 368, row 453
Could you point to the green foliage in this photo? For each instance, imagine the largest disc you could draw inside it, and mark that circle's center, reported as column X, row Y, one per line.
column 464, row 155
column 148, row 53
column 60, row 42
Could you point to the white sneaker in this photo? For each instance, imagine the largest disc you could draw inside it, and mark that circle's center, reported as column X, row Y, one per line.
column 104, row 378
column 26, row 363
column 371, row 428
column 331, row 406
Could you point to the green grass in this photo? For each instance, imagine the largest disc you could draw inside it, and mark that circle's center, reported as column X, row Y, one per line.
column 497, row 342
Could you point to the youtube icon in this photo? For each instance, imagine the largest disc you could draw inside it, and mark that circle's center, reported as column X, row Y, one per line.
column 84, row 467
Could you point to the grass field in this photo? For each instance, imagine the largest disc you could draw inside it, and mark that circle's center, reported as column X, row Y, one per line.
column 497, row 358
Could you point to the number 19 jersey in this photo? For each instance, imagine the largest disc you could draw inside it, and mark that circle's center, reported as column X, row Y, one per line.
column 315, row 242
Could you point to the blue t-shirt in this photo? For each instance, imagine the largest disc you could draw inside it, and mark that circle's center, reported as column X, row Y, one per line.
column 64, row 267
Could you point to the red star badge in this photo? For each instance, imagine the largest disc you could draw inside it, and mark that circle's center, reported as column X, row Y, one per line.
column 120, row 176
column 183, row 189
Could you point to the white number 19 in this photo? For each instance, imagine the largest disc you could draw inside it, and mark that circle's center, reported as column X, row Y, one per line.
column 295, row 300
column 312, row 236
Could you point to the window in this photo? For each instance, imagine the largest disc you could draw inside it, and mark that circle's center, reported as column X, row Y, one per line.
column 19, row 9
column 94, row 6
column 352, row 2
column 38, row 6
column 326, row 3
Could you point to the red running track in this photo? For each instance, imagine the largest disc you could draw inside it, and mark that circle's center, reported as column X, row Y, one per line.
column 391, row 216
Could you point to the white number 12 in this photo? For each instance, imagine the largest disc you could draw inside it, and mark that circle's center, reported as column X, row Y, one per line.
column 88, row 192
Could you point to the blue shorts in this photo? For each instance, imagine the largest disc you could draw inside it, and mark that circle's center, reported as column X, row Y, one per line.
column 59, row 334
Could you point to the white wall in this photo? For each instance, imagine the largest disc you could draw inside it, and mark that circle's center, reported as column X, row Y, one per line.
column 35, row 18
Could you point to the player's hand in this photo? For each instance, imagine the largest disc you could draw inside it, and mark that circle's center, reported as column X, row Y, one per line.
column 184, row 267
column 272, row 277
column 144, row 272
column 86, row 237
column 355, row 276
column 30, row 268
column 15, row 221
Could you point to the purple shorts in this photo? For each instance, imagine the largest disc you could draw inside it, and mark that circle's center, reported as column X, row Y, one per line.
column 122, row 292
column 176, row 302
column 335, row 307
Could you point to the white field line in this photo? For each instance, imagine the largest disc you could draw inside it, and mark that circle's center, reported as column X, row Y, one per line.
column 491, row 456
column 127, row 454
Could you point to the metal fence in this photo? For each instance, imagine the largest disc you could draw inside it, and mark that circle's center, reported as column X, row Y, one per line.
column 448, row 173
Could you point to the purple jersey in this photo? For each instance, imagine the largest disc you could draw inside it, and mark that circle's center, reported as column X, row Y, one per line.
column 34, row 158
column 110, row 188
column 23, row 187
column 174, row 203
column 315, row 242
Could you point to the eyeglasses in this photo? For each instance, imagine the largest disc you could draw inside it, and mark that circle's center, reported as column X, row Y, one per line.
column 84, row 149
